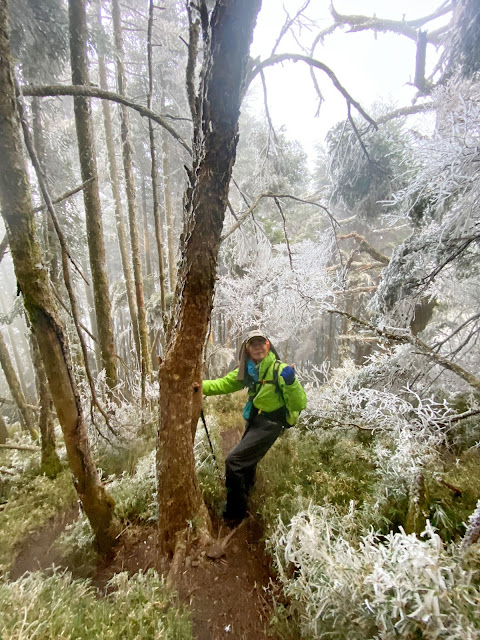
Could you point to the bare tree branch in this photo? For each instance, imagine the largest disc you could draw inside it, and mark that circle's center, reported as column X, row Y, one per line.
column 406, row 111
column 271, row 130
column 64, row 196
column 284, row 221
column 288, row 23
column 366, row 247
column 253, row 206
column 94, row 92
column 296, row 57
column 19, row 447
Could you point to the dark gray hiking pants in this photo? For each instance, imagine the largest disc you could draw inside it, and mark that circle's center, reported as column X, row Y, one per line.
column 241, row 463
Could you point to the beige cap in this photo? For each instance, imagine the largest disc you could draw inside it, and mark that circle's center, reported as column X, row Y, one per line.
column 255, row 334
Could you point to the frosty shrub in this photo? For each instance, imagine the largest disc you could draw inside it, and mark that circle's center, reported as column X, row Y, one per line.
column 55, row 607
column 135, row 496
column 208, row 469
column 397, row 586
column 30, row 505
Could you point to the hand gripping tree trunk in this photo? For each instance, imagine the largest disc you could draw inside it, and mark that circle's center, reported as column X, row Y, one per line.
column 34, row 282
column 217, row 111
column 93, row 212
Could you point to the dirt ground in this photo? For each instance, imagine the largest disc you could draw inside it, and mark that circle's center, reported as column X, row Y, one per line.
column 230, row 596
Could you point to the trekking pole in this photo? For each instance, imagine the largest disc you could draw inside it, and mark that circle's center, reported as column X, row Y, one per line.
column 202, row 416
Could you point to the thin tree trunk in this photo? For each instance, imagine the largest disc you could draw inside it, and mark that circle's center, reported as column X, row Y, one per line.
column 119, row 218
column 35, row 285
column 51, row 465
column 16, row 356
column 3, row 430
column 93, row 212
column 93, row 320
column 15, row 388
column 51, row 241
column 131, row 198
column 154, row 170
column 215, row 141
column 19, row 365
column 167, row 199
column 146, row 240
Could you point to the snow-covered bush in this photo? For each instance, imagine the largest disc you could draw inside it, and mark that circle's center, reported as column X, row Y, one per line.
column 372, row 587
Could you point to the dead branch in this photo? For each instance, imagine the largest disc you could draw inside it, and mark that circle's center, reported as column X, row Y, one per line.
column 296, row 57
column 64, row 196
column 284, row 223
column 357, row 266
column 406, row 111
column 94, row 92
column 287, row 25
column 33, row 407
column 271, row 129
column 241, row 219
column 408, row 338
column 366, row 247
column 19, row 447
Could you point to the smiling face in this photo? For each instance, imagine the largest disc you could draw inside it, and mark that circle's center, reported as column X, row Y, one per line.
column 258, row 348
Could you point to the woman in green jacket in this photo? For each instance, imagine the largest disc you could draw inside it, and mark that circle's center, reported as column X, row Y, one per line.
column 275, row 398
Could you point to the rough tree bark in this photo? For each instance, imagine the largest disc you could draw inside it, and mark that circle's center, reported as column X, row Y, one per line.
column 15, row 388
column 34, row 282
column 88, row 166
column 127, row 154
column 217, row 108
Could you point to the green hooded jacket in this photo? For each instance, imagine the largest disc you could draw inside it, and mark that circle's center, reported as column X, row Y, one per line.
column 265, row 397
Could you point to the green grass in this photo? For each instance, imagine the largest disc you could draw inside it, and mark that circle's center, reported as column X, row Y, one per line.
column 320, row 467
column 56, row 607
column 29, row 505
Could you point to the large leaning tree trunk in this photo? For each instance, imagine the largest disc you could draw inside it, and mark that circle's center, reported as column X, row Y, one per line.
column 216, row 111
column 34, row 282
column 88, row 167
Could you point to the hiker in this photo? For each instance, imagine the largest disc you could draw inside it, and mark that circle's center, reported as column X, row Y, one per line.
column 275, row 398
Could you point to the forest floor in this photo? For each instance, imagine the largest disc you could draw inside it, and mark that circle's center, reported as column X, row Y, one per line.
column 230, row 596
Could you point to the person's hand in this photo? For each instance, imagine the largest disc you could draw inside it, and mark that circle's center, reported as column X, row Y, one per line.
column 288, row 374
column 195, row 387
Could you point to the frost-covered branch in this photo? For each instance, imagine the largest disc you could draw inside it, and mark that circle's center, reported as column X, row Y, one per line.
column 407, row 28
column 406, row 337
column 241, row 219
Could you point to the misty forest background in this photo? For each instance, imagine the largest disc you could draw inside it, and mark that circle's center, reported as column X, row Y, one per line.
column 362, row 264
